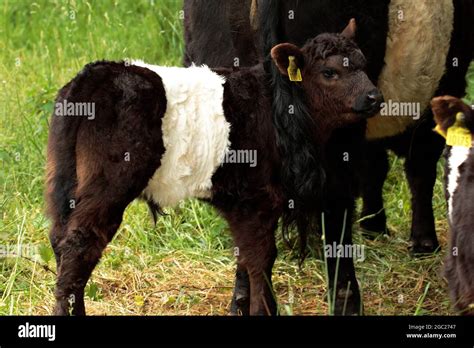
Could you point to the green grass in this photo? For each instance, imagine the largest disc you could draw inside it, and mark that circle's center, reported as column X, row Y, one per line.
column 185, row 264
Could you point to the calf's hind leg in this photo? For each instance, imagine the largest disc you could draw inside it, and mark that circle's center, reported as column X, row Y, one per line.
column 80, row 250
column 104, row 190
column 91, row 227
column 102, row 195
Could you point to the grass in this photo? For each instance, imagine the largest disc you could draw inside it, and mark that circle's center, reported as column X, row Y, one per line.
column 185, row 264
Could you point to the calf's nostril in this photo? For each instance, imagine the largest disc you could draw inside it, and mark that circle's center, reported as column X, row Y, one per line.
column 374, row 98
column 369, row 102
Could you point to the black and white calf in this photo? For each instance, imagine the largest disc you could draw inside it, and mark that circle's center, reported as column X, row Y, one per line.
column 164, row 133
column 455, row 121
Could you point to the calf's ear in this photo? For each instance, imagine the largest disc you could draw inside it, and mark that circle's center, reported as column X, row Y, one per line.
column 286, row 55
column 350, row 30
column 445, row 109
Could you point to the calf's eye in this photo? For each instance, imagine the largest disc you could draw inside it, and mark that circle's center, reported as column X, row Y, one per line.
column 330, row 74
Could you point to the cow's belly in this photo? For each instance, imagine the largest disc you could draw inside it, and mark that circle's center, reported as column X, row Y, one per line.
column 417, row 47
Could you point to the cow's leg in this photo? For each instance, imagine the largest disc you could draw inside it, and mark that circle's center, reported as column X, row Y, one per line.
column 104, row 190
column 374, row 220
column 80, row 250
column 420, row 167
column 91, row 226
column 344, row 154
column 241, row 297
column 254, row 237
column 101, row 201
column 55, row 236
column 343, row 287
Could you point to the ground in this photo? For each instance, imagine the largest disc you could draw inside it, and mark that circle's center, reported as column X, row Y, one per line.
column 184, row 264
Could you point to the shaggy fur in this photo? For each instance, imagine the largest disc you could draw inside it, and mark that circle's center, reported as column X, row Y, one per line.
column 136, row 108
column 195, row 134
column 413, row 68
column 459, row 189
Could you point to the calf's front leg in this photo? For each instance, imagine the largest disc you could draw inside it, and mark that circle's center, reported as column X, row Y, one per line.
column 256, row 252
column 241, row 297
column 343, row 288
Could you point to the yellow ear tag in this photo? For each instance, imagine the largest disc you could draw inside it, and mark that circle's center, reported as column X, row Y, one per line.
column 458, row 134
column 294, row 73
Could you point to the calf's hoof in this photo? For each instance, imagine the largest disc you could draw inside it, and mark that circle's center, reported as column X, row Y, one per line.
column 240, row 304
column 68, row 307
column 348, row 303
column 423, row 246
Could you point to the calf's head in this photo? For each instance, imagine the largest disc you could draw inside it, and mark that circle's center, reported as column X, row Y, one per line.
column 446, row 108
column 330, row 70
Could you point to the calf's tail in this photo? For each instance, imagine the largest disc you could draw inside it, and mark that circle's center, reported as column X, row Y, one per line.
column 61, row 174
